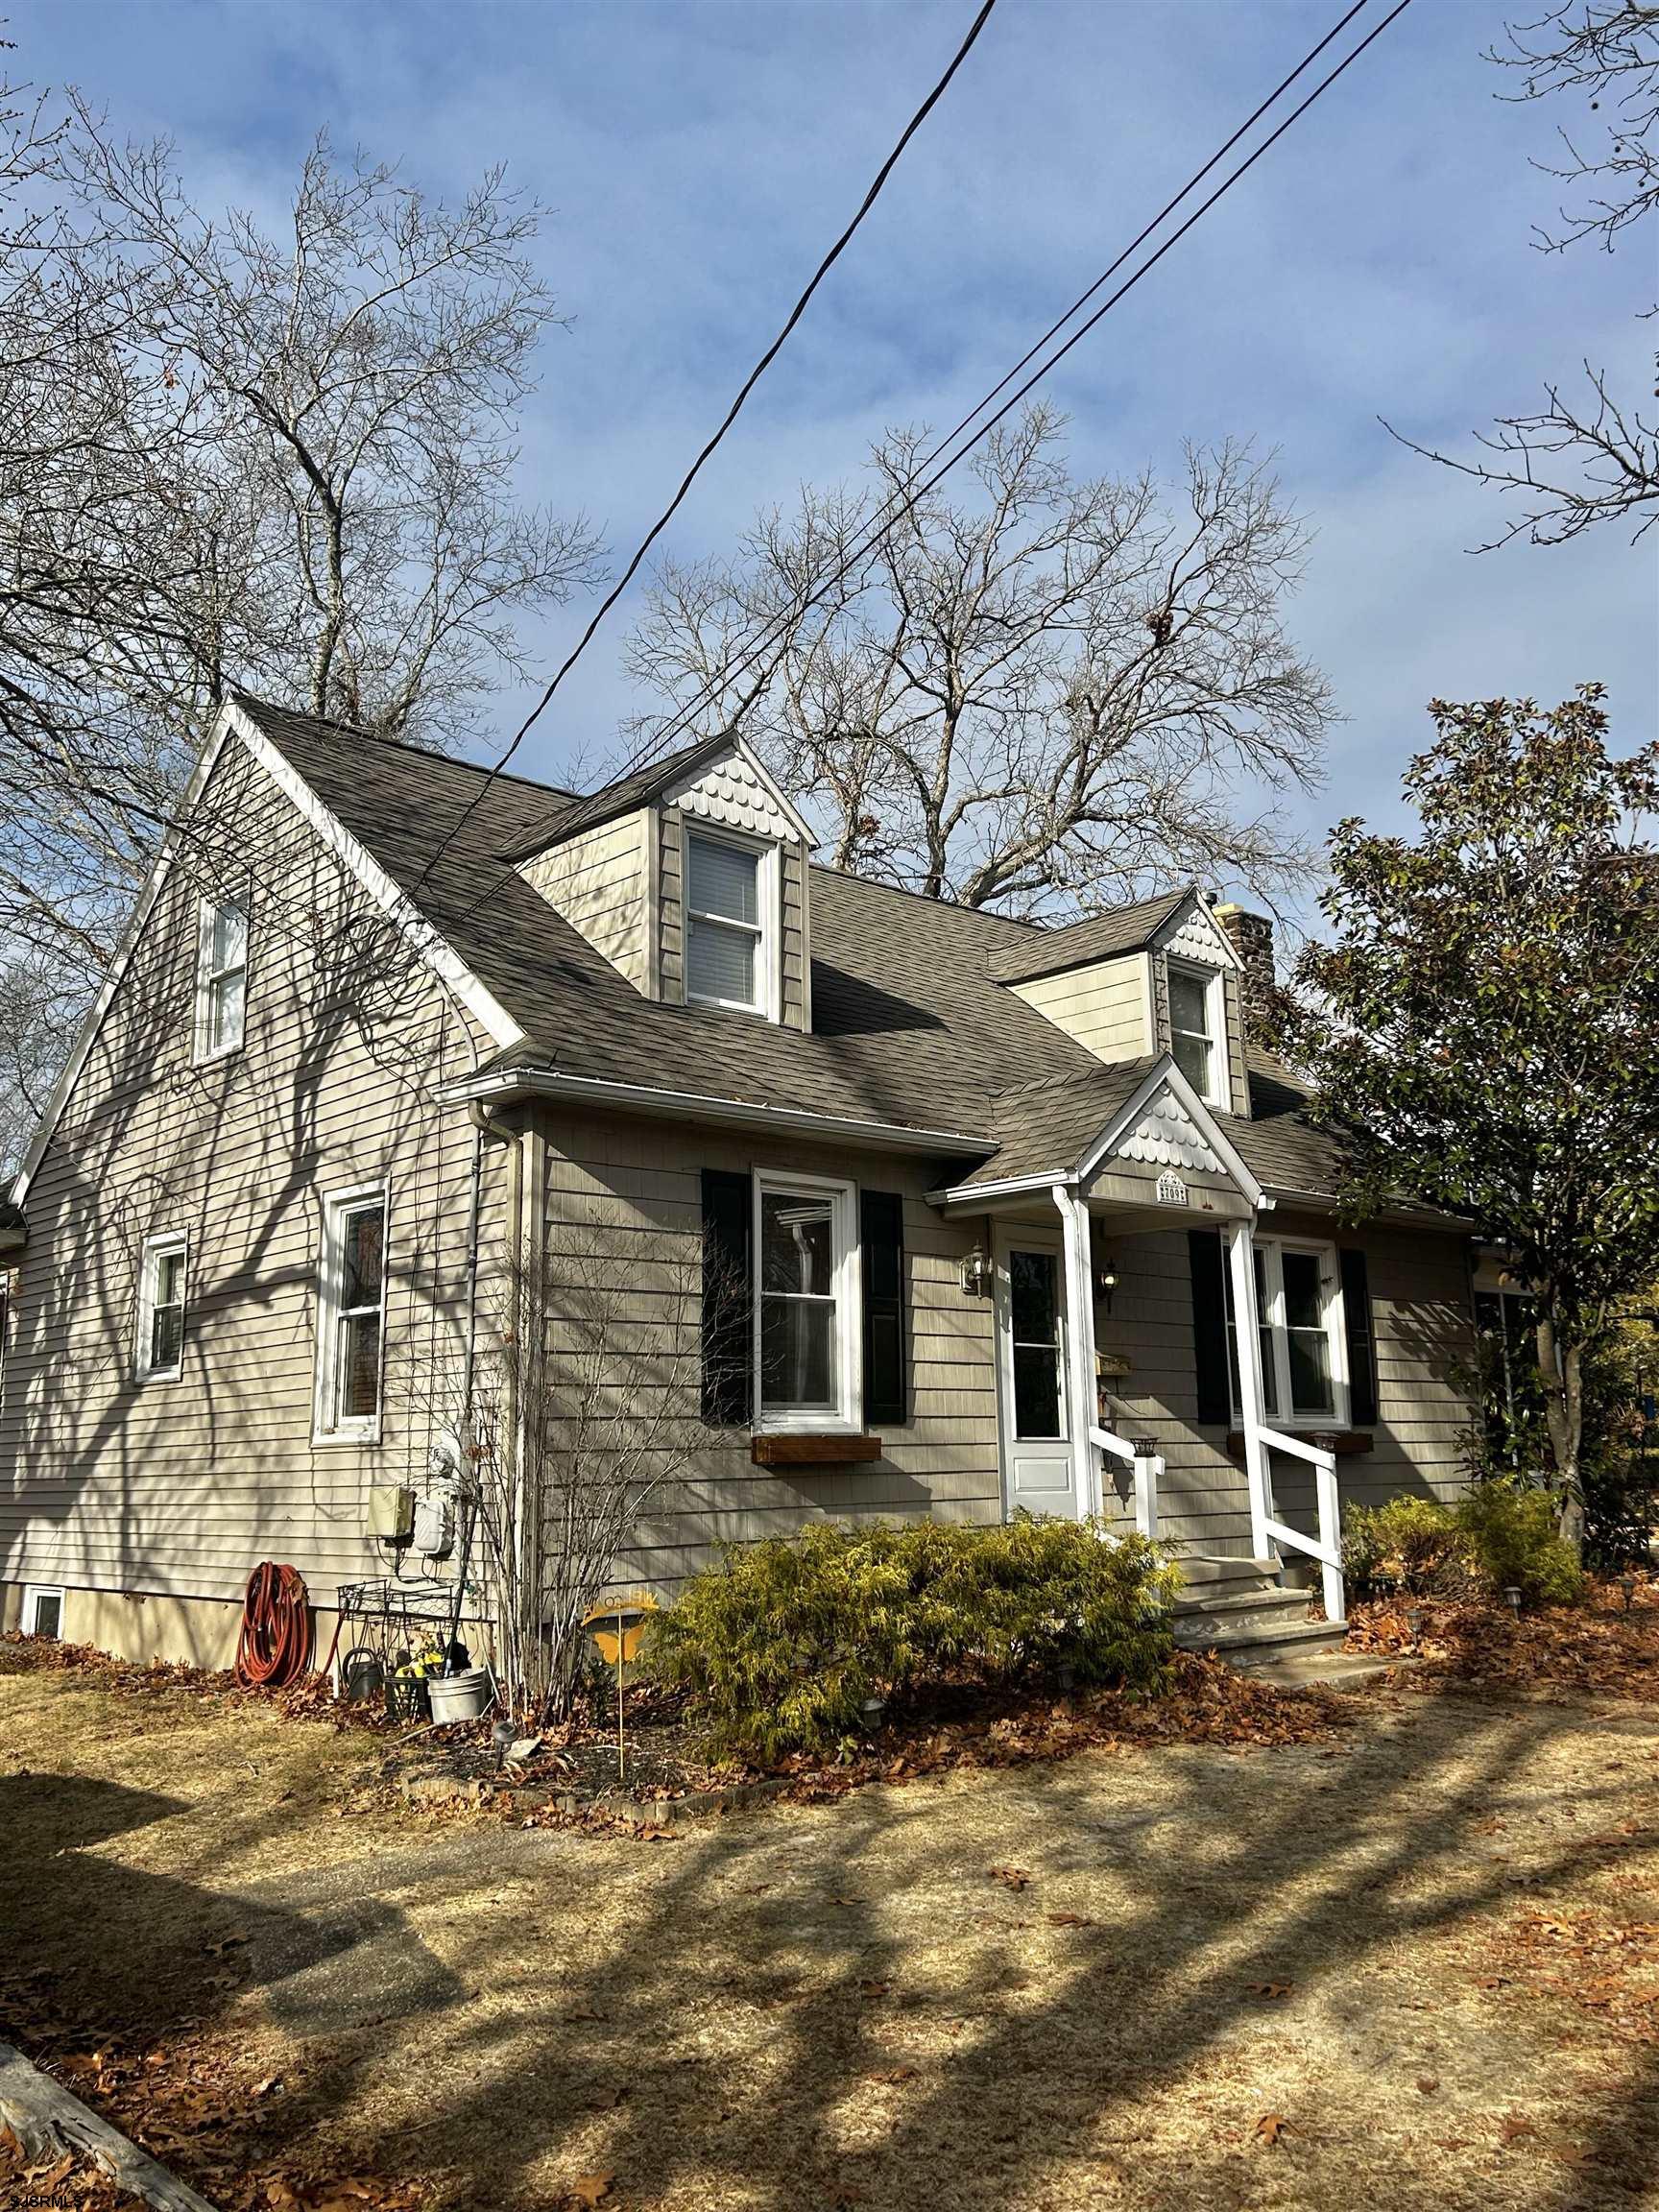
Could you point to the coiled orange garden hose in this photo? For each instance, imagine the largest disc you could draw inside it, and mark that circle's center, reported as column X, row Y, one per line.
column 274, row 1646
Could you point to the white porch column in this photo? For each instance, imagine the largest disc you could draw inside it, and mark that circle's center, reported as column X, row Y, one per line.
column 1257, row 1475
column 1078, row 1260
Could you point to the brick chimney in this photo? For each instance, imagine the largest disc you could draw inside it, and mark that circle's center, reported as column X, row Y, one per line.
column 1251, row 936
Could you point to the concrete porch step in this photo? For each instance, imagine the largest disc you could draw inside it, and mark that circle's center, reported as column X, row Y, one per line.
column 1239, row 1609
column 1248, row 1640
column 1258, row 1606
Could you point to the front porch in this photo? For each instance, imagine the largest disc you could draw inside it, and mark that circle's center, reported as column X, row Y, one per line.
column 1148, row 1335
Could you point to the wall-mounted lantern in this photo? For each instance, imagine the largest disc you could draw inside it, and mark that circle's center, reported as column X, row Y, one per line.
column 1106, row 1282
column 977, row 1274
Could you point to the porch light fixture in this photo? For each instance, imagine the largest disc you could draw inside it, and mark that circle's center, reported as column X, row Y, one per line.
column 1106, row 1280
column 976, row 1274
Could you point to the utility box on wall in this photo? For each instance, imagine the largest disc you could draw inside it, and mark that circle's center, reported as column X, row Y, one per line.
column 391, row 1512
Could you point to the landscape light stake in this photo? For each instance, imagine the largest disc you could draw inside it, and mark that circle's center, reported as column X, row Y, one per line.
column 1627, row 1589
column 1512, row 1599
column 1414, row 1623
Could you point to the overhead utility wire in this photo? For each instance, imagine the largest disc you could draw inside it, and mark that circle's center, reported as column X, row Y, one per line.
column 779, row 625
column 732, row 413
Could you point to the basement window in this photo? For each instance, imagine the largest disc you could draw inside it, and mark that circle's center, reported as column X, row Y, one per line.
column 42, row 1611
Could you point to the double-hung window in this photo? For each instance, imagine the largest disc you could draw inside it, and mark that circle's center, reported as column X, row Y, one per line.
column 1299, row 1308
column 221, row 980
column 728, row 899
column 805, row 1304
column 351, row 1317
column 163, row 1284
column 1195, row 1030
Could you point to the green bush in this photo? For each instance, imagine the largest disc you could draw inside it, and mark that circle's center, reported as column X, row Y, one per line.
column 784, row 1641
column 1416, row 1542
column 1501, row 1536
column 1510, row 1532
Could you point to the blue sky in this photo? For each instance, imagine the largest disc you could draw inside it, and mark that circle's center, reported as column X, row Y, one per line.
column 698, row 157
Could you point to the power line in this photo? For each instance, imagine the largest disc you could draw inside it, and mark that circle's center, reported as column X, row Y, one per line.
column 732, row 413
column 779, row 625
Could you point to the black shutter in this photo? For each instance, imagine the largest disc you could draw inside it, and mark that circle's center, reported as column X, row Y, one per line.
column 881, row 1239
column 1207, row 1259
column 1361, row 1341
column 727, row 1346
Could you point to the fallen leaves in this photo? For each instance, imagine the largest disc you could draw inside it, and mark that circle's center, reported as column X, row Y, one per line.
column 1272, row 2128
column 1271, row 1990
column 1068, row 1919
column 1011, row 1877
column 1598, row 1645
column 590, row 2189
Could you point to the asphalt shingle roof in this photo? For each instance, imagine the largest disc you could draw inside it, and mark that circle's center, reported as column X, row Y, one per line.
column 911, row 1024
column 1098, row 937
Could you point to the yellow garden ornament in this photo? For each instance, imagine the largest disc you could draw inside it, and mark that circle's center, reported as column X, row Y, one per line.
column 618, row 1641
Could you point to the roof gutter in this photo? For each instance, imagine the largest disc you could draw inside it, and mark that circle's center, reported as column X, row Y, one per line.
column 499, row 1087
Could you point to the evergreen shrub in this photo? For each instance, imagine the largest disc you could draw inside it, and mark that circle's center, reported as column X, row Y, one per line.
column 784, row 1641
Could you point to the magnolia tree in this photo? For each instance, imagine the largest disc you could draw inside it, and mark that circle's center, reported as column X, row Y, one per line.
column 1486, row 1035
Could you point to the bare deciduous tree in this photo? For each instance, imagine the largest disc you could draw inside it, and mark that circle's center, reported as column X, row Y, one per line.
column 232, row 454
column 584, row 1413
column 1587, row 457
column 1043, row 697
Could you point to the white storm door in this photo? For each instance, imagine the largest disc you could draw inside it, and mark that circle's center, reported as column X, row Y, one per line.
column 1037, row 1467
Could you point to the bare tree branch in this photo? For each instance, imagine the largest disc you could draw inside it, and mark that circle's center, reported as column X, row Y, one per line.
column 1041, row 698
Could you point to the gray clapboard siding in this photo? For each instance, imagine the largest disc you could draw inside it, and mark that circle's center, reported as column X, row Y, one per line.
column 177, row 1488
column 1103, row 1005
column 597, row 880
column 624, row 1199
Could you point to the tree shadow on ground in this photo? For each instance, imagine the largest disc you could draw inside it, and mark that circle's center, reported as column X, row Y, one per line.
column 764, row 2030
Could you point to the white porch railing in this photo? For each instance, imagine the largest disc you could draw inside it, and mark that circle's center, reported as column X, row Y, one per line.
column 1326, row 1546
column 1149, row 1473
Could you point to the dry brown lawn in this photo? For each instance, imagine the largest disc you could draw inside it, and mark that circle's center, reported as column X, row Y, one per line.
column 1419, row 1969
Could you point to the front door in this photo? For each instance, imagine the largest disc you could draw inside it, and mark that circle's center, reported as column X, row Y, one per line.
column 1037, row 1470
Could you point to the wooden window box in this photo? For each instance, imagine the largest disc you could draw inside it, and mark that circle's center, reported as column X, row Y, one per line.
column 796, row 1449
column 1344, row 1443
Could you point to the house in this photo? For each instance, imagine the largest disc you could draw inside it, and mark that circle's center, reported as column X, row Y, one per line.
column 931, row 1211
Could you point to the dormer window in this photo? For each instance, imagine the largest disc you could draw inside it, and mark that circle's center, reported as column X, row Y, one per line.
column 1195, row 1030
column 727, row 919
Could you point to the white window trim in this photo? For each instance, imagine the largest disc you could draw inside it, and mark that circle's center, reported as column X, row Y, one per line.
column 1272, row 1319
column 769, row 965
column 33, row 1593
column 156, row 1249
column 846, row 1418
column 1219, row 1093
column 207, row 975
column 357, row 1428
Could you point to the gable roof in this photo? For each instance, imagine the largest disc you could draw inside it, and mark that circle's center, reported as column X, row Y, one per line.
column 912, row 1028
column 1098, row 937
column 630, row 792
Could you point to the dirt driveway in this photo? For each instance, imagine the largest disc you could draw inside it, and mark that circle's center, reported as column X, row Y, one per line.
column 1421, row 1969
